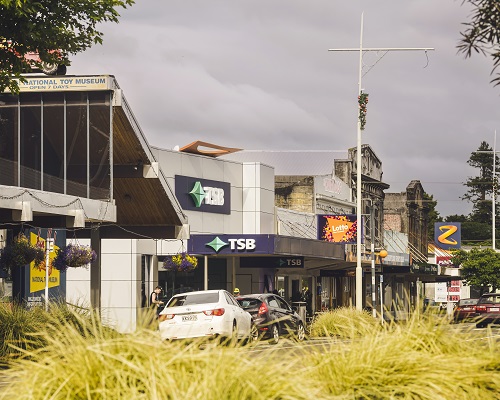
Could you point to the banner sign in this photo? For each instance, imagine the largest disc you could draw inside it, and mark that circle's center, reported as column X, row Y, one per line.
column 64, row 82
column 447, row 235
column 195, row 194
column 272, row 262
column 337, row 228
column 392, row 258
column 29, row 280
column 231, row 244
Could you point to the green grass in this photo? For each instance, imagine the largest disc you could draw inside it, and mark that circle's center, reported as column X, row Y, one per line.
column 423, row 358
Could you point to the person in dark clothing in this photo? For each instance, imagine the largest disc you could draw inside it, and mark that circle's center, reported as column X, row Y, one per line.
column 155, row 300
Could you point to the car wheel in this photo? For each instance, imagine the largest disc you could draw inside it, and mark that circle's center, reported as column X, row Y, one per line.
column 61, row 70
column 234, row 334
column 49, row 68
column 275, row 332
column 301, row 332
column 254, row 334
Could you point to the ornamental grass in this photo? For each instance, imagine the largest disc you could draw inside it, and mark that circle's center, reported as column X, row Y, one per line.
column 343, row 323
column 422, row 358
column 27, row 330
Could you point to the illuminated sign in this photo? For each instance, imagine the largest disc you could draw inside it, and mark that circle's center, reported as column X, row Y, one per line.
column 205, row 195
column 337, row 228
column 447, row 235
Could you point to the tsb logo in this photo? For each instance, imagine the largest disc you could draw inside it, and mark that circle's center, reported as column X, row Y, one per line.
column 214, row 196
column 242, row 244
column 207, row 195
column 239, row 244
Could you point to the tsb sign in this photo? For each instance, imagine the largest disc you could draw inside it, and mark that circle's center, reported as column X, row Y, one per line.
column 242, row 244
column 203, row 194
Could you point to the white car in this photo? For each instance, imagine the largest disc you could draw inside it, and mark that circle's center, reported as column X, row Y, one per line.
column 208, row 313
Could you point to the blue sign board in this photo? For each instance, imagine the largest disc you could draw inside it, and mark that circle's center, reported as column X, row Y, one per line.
column 447, row 235
column 205, row 195
column 231, row 244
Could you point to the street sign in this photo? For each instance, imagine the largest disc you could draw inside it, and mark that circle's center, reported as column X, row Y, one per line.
column 272, row 262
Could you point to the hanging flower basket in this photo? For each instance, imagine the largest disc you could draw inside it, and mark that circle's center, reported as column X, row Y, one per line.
column 20, row 253
column 362, row 101
column 182, row 262
column 73, row 256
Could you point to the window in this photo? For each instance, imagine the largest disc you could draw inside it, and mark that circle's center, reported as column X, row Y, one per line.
column 8, row 139
column 190, row 299
column 31, row 140
column 283, row 304
column 273, row 302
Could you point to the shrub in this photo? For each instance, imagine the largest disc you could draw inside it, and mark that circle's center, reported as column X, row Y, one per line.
column 346, row 322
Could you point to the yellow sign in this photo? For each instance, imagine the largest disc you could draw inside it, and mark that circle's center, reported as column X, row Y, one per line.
column 37, row 272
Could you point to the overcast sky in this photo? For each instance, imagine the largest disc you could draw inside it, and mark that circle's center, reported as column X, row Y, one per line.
column 258, row 75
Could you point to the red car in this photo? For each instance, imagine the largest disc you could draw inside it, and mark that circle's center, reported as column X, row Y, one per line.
column 488, row 310
column 465, row 309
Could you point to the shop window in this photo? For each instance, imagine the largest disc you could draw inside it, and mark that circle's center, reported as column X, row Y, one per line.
column 99, row 142
column 8, row 139
column 53, row 142
column 76, row 144
column 31, row 140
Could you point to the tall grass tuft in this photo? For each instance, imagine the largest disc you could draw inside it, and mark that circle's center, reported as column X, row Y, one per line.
column 419, row 359
column 19, row 329
column 423, row 358
column 140, row 366
column 25, row 330
column 344, row 323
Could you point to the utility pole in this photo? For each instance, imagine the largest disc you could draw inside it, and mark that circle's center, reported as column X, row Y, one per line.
column 359, row 270
column 494, row 192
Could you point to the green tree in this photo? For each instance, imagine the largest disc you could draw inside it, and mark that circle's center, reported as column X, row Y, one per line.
column 480, row 187
column 46, row 25
column 456, row 218
column 482, row 33
column 480, row 267
column 433, row 214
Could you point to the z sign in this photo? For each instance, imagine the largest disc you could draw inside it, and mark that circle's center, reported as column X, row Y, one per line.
column 447, row 235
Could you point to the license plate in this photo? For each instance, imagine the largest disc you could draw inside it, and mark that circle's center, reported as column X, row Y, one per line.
column 494, row 309
column 466, row 308
column 189, row 318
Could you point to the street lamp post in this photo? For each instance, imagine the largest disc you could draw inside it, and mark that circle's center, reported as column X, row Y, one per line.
column 359, row 270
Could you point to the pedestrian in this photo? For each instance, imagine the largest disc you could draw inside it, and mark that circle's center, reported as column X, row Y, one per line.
column 236, row 292
column 155, row 300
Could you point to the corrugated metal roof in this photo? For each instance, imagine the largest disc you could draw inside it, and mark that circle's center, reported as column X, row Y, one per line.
column 305, row 163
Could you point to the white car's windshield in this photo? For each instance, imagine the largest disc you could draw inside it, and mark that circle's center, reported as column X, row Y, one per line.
column 190, row 299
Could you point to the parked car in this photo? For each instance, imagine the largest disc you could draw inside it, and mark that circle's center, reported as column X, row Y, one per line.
column 38, row 65
column 272, row 316
column 34, row 61
column 208, row 313
column 488, row 309
column 465, row 309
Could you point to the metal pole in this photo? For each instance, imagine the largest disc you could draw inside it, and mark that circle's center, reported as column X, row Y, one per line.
column 47, row 261
column 205, row 283
column 372, row 248
column 381, row 295
column 359, row 271
column 494, row 193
